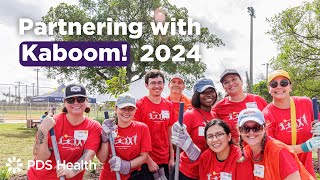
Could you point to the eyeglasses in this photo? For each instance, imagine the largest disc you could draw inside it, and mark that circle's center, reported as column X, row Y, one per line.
column 283, row 83
column 247, row 129
column 218, row 136
column 73, row 100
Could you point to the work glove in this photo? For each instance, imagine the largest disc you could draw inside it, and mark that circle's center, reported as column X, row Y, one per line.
column 181, row 138
column 160, row 175
column 108, row 126
column 311, row 144
column 316, row 129
column 117, row 164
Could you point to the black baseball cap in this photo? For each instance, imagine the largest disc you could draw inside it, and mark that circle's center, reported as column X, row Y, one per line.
column 75, row 90
column 228, row 72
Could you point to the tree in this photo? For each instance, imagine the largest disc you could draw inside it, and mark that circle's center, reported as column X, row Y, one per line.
column 127, row 11
column 296, row 31
column 261, row 89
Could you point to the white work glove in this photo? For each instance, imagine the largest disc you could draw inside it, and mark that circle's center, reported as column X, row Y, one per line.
column 181, row 138
column 107, row 127
column 311, row 144
column 160, row 175
column 316, row 129
column 117, row 164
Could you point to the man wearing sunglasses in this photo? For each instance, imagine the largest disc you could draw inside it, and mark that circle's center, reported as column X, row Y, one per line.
column 290, row 118
column 78, row 138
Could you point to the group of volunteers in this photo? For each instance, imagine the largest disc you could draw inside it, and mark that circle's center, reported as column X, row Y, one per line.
column 238, row 137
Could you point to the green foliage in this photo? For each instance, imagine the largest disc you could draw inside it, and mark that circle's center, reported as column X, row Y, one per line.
column 127, row 11
column 117, row 84
column 261, row 89
column 296, row 30
column 4, row 173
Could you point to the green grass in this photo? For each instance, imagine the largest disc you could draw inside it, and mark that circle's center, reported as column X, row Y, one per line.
column 16, row 141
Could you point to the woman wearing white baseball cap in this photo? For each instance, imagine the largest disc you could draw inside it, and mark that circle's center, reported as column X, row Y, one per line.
column 132, row 142
column 272, row 159
column 290, row 118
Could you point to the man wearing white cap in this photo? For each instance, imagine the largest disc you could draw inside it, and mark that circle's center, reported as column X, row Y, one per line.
column 176, row 86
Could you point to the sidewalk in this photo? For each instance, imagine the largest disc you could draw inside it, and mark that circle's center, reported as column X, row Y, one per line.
column 8, row 121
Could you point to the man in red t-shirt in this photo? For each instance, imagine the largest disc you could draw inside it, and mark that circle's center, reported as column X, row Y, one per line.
column 158, row 114
column 229, row 107
column 176, row 86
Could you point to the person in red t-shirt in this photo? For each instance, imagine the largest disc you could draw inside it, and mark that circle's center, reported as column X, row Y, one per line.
column 223, row 159
column 78, row 139
column 132, row 141
column 272, row 159
column 278, row 117
column 190, row 136
column 158, row 114
column 176, row 86
column 229, row 107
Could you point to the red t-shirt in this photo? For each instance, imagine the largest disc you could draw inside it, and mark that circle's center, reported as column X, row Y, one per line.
column 158, row 117
column 185, row 100
column 195, row 119
column 72, row 141
column 210, row 168
column 287, row 163
column 228, row 111
column 129, row 144
column 279, row 126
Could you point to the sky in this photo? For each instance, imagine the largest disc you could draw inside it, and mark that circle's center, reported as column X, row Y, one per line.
column 228, row 19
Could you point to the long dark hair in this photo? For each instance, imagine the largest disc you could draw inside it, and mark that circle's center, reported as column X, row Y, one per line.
column 221, row 123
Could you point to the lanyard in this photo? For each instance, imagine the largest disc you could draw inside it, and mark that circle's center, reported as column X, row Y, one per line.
column 293, row 122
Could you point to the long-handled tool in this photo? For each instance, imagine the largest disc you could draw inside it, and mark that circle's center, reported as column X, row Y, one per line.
column 180, row 120
column 111, row 140
column 316, row 119
column 55, row 149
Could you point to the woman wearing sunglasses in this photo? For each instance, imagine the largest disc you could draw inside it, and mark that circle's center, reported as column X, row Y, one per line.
column 190, row 136
column 132, row 142
column 223, row 159
column 290, row 118
column 78, row 139
column 272, row 159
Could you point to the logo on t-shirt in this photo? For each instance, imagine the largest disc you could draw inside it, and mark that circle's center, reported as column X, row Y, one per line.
column 155, row 116
column 126, row 141
column 285, row 125
column 233, row 116
column 70, row 142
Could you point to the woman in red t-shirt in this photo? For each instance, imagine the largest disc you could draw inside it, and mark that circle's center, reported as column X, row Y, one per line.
column 190, row 136
column 132, row 142
column 222, row 159
column 279, row 120
column 272, row 159
column 77, row 139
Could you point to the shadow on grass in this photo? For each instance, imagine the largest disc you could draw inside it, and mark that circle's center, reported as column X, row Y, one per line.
column 20, row 133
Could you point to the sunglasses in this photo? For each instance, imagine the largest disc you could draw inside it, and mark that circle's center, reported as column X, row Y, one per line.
column 247, row 129
column 73, row 100
column 283, row 83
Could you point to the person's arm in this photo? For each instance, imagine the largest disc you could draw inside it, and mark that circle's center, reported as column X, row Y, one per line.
column 85, row 159
column 152, row 166
column 103, row 152
column 293, row 176
column 138, row 161
column 41, row 150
